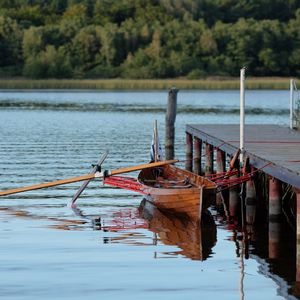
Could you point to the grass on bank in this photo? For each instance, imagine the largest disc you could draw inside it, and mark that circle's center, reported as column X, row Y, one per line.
column 143, row 84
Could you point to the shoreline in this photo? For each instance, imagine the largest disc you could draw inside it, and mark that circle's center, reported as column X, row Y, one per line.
column 263, row 83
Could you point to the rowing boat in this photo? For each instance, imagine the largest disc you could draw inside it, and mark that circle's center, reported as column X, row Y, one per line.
column 176, row 190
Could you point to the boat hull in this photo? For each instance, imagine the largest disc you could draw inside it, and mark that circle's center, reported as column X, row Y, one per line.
column 177, row 191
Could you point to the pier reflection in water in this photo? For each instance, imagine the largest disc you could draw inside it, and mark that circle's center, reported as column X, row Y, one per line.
column 268, row 239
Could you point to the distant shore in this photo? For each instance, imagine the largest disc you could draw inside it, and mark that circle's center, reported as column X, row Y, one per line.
column 216, row 83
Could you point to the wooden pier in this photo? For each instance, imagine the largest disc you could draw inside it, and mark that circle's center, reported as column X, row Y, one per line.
column 264, row 144
column 272, row 149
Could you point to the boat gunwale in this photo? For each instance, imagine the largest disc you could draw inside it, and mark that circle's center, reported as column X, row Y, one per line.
column 181, row 190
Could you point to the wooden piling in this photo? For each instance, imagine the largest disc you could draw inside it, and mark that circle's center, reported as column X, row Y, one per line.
column 234, row 197
column 197, row 156
column 298, row 235
column 274, row 238
column 189, row 152
column 274, row 217
column 250, row 202
column 221, row 167
column 274, row 199
column 209, row 159
column 170, row 123
column 234, row 201
column 221, row 161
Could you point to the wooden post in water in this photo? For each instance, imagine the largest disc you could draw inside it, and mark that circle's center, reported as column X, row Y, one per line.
column 234, row 198
column 221, row 161
column 209, row 159
column 170, row 123
column 189, row 152
column 197, row 156
column 274, row 199
column 298, row 236
column 274, row 217
column 274, row 238
column 221, row 167
column 250, row 201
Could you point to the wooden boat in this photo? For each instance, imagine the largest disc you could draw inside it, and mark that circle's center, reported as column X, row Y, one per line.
column 195, row 241
column 178, row 191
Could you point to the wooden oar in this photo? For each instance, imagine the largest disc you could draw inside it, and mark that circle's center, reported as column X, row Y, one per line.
column 85, row 177
column 96, row 168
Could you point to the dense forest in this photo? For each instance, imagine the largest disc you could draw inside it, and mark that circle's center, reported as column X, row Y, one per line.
column 149, row 38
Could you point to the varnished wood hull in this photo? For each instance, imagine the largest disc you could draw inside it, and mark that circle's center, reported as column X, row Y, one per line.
column 190, row 198
column 194, row 240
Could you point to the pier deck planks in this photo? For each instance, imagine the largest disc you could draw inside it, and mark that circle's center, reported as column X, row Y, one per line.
column 263, row 144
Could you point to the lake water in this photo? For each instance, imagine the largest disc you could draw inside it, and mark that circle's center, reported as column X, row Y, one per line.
column 105, row 249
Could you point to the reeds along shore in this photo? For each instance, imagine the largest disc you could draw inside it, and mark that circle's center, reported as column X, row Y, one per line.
column 143, row 84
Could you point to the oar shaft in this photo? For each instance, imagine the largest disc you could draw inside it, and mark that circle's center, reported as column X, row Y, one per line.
column 84, row 177
column 141, row 167
column 47, row 184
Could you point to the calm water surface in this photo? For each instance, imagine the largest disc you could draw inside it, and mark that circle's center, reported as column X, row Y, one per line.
column 105, row 248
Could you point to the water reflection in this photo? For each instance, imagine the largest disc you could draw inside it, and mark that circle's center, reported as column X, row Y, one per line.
column 195, row 241
column 265, row 242
column 56, row 222
column 131, row 226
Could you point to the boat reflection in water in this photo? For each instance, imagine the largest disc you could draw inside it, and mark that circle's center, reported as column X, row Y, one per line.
column 195, row 241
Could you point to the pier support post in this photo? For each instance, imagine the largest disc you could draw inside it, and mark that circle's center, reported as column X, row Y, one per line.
column 298, row 236
column 274, row 199
column 250, row 202
column 274, row 217
column 234, row 198
column 221, row 167
column 170, row 123
column 209, row 159
column 189, row 152
column 221, row 161
column 197, row 156
column 274, row 238
column 234, row 201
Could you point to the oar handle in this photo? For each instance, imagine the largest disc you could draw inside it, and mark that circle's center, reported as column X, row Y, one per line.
column 144, row 166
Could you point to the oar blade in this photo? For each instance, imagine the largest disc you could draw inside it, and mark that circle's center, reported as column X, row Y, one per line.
column 85, row 183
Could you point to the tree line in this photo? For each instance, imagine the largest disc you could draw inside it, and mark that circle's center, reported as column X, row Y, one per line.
column 149, row 38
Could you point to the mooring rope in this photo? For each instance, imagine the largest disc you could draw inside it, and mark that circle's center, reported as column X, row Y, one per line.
column 228, row 183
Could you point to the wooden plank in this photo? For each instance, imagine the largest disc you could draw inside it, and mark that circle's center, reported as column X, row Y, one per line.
column 263, row 144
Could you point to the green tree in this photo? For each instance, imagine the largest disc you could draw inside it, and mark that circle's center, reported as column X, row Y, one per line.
column 10, row 42
column 86, row 47
column 33, row 42
column 51, row 63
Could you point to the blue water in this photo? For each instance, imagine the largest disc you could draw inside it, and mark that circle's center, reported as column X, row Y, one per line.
column 49, row 251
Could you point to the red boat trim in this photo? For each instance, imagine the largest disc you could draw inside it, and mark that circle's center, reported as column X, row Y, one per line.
column 125, row 182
